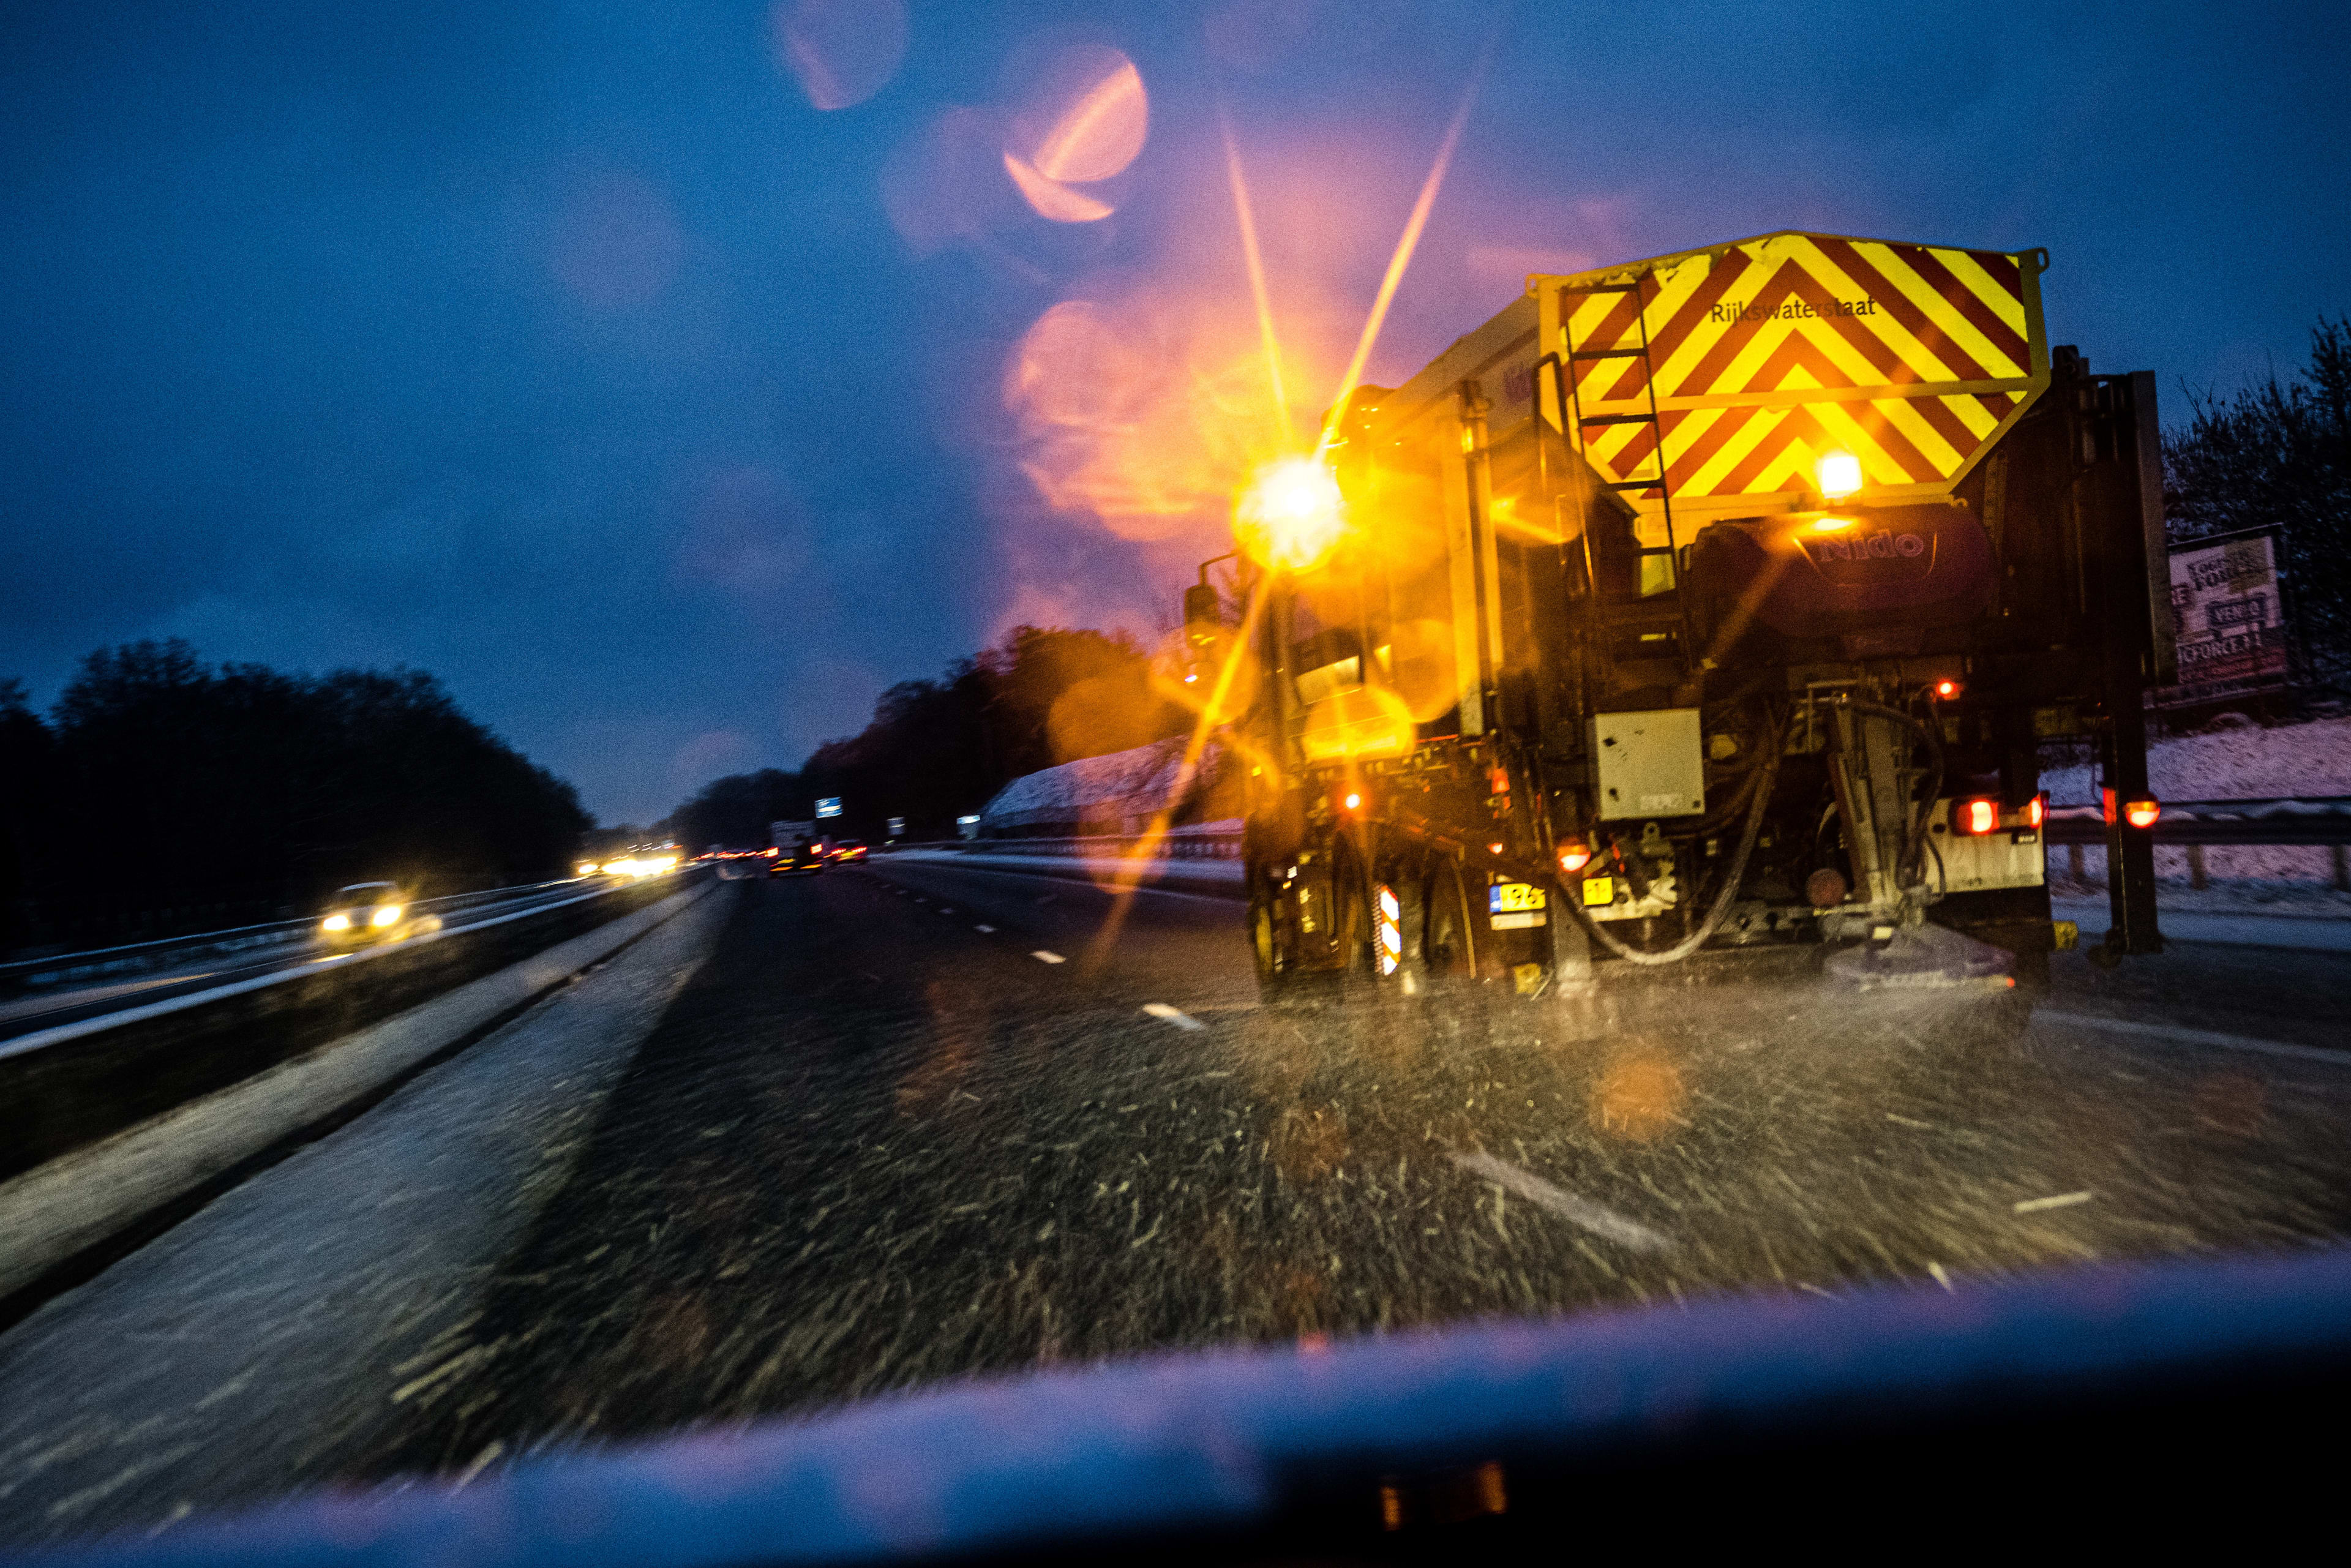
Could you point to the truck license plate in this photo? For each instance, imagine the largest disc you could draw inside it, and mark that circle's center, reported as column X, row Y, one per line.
column 1514, row 897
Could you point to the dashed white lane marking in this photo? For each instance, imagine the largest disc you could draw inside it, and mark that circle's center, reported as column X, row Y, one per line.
column 1043, row 956
column 985, row 930
column 1175, row 1016
column 1599, row 1220
column 2063, row 1201
column 2177, row 1036
column 945, row 910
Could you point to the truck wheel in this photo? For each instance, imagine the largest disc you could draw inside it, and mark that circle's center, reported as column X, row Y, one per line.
column 1276, row 982
column 1447, row 942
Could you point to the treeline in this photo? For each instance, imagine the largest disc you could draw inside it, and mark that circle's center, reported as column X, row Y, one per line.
column 938, row 748
column 2278, row 454
column 162, row 794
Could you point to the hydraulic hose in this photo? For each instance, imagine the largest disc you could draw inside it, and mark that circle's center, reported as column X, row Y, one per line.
column 1767, row 774
column 1913, row 869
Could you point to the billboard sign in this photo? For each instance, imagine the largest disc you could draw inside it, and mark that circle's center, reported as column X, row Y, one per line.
column 2226, row 616
column 830, row 806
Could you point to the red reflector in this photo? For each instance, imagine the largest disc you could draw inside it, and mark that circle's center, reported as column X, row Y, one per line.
column 2142, row 813
column 1979, row 816
column 2107, row 803
column 2036, row 810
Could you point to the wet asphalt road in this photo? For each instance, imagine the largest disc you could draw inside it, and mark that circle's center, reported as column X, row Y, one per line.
column 878, row 1139
column 874, row 1145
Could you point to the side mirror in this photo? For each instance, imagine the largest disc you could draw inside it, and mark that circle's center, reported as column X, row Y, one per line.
column 1202, row 619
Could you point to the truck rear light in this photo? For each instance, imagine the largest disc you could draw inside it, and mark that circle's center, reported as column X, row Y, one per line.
column 1946, row 689
column 2036, row 811
column 1354, row 801
column 2142, row 813
column 1574, row 855
column 1978, row 816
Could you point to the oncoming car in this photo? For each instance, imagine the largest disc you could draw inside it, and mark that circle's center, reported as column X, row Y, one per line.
column 368, row 912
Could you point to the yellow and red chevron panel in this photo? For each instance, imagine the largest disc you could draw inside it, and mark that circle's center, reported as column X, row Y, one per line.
column 1771, row 351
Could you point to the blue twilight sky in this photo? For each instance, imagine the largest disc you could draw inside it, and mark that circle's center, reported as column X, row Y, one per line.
column 572, row 352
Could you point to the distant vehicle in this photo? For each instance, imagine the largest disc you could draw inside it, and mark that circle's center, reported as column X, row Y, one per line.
column 809, row 856
column 367, row 912
column 797, row 847
column 849, row 849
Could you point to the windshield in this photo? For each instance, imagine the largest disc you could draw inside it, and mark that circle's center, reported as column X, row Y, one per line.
column 1312, row 690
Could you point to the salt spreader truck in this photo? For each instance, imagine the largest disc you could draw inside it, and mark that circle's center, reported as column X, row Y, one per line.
column 1715, row 604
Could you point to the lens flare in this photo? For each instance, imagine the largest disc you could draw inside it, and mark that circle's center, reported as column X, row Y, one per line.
column 1268, row 342
column 1405, row 245
column 1051, row 199
column 1085, row 119
column 841, row 52
column 1290, row 514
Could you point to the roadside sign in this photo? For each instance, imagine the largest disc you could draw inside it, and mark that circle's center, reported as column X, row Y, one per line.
column 2228, row 621
column 830, row 806
column 897, row 827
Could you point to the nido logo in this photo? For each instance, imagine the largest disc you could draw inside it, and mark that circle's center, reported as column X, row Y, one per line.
column 1883, row 544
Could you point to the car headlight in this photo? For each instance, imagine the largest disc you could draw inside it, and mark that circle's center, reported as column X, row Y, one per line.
column 339, row 923
column 388, row 915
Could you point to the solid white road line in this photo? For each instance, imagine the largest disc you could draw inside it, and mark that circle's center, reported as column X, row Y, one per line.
column 1175, row 1016
column 1043, row 956
column 1600, row 1221
column 2177, row 1036
column 2063, row 1201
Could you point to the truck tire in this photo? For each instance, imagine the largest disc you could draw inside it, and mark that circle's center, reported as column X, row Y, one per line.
column 1448, row 941
column 1277, row 979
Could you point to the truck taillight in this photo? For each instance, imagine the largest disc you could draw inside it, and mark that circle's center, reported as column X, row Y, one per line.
column 1979, row 816
column 1946, row 689
column 2142, row 813
column 1574, row 855
column 2036, row 811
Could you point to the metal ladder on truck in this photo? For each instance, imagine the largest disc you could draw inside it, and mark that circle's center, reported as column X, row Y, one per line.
column 1645, row 619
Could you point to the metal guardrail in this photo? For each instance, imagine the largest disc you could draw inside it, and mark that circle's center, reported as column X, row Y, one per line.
column 1177, row 843
column 2321, row 819
column 135, row 956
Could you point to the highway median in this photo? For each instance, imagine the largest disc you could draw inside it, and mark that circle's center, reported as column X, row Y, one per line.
column 113, row 1126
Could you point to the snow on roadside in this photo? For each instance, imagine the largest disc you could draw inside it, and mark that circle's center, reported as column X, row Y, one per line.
column 2250, row 763
column 2293, row 759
